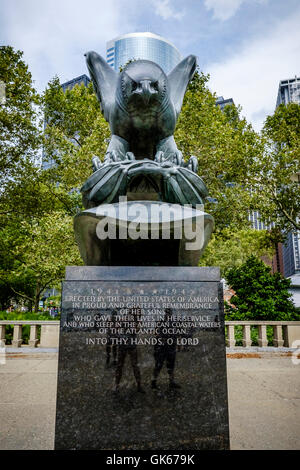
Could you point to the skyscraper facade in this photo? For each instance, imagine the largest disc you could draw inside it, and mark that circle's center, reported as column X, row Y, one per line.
column 221, row 102
column 288, row 91
column 82, row 79
column 147, row 46
column 291, row 254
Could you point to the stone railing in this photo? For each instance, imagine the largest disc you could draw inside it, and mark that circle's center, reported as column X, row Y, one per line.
column 49, row 333
column 285, row 333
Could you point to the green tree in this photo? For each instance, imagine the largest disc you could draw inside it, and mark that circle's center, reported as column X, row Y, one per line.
column 36, row 236
column 20, row 139
column 19, row 133
column 259, row 295
column 75, row 132
column 230, row 248
column 10, row 237
column 48, row 246
column 276, row 174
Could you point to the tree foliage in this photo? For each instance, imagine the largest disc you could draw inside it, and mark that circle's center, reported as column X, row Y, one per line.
column 231, row 248
column 36, row 239
column 46, row 249
column 276, row 175
column 259, row 295
column 19, row 133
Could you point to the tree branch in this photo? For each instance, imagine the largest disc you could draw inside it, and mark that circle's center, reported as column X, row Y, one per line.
column 77, row 141
column 284, row 212
column 22, row 295
column 69, row 208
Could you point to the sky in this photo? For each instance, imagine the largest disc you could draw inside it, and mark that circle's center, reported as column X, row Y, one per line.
column 246, row 46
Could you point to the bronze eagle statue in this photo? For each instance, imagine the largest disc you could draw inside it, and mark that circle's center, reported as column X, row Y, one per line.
column 141, row 105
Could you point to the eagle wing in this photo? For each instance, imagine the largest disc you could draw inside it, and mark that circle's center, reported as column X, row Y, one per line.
column 179, row 79
column 104, row 79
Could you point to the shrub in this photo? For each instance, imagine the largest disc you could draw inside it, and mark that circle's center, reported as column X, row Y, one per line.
column 259, row 294
column 26, row 328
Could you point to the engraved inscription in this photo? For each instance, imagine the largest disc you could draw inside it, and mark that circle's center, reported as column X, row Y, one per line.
column 137, row 313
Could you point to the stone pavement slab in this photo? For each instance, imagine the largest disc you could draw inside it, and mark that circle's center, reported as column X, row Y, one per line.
column 264, row 402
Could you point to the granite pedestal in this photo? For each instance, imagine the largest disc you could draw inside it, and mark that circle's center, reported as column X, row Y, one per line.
column 142, row 361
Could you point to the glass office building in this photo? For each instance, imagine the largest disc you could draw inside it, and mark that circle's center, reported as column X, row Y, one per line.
column 289, row 91
column 147, row 46
column 221, row 102
column 291, row 254
column 81, row 80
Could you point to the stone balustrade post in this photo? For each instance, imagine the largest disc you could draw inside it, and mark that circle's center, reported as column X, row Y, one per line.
column 33, row 339
column 291, row 335
column 246, row 336
column 230, row 336
column 17, row 336
column 262, row 336
column 2, row 335
column 278, row 337
column 49, row 336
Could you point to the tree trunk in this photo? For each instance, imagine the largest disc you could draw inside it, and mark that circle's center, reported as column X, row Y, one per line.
column 37, row 297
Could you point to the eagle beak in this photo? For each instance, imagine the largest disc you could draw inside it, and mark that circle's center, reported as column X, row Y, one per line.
column 146, row 90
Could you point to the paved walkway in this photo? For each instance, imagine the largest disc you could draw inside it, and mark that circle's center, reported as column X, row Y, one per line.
column 264, row 402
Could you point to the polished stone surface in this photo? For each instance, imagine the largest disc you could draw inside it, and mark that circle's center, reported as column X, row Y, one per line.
column 142, row 233
column 145, row 273
column 263, row 396
column 119, row 335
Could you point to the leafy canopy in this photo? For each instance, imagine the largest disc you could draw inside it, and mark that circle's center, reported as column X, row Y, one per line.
column 276, row 174
column 259, row 295
column 231, row 248
column 36, row 236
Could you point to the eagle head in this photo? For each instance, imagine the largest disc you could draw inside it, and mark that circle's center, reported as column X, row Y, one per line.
column 143, row 84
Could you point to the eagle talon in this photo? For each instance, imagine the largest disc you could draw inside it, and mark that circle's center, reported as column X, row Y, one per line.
column 130, row 156
column 176, row 184
column 159, row 156
column 96, row 163
column 192, row 164
column 175, row 158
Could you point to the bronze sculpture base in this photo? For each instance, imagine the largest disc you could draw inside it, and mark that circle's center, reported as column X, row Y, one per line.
column 142, row 233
